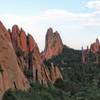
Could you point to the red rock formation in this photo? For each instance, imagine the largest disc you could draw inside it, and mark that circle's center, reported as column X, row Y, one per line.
column 15, row 36
column 31, row 58
column 55, row 73
column 85, row 55
column 19, row 38
column 94, row 49
column 32, row 45
column 39, row 71
column 19, row 41
column 53, row 44
column 58, row 73
column 11, row 76
column 23, row 40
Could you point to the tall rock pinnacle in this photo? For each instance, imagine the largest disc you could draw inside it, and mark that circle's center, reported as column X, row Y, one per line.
column 53, row 44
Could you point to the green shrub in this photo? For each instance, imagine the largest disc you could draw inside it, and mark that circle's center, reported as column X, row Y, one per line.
column 1, row 70
column 36, row 92
column 9, row 95
column 19, row 52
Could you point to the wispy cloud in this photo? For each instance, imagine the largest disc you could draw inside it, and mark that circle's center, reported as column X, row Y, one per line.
column 65, row 21
column 95, row 4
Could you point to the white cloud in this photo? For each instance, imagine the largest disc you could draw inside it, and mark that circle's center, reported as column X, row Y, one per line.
column 95, row 4
column 53, row 15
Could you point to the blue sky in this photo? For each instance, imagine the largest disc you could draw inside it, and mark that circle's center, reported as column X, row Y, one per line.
column 77, row 21
column 35, row 6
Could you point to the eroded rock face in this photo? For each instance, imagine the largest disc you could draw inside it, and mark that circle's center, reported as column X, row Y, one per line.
column 13, row 65
column 55, row 73
column 30, row 59
column 95, row 47
column 34, row 50
column 35, row 62
column 18, row 38
column 15, row 36
column 23, row 40
column 11, row 76
column 53, row 44
column 19, row 41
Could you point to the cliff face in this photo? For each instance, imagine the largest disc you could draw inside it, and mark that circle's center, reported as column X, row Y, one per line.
column 23, row 40
column 40, row 73
column 55, row 73
column 31, row 59
column 19, row 41
column 53, row 44
column 10, row 74
column 15, row 36
column 28, row 55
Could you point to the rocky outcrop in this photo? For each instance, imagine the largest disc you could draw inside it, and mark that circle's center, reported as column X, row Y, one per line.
column 55, row 73
column 53, row 44
column 10, row 74
column 23, row 40
column 33, row 47
column 40, row 73
column 19, row 41
column 94, row 49
column 29, row 57
column 18, row 38
column 19, row 54
column 15, row 36
column 85, row 53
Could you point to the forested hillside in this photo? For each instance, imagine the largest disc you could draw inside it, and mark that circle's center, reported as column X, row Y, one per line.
column 81, row 81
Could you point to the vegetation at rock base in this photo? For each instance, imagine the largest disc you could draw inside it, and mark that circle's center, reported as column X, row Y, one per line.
column 36, row 92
